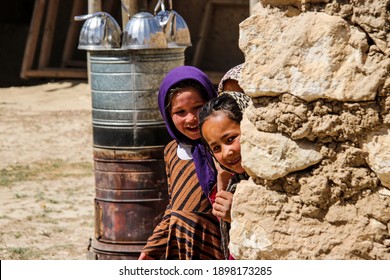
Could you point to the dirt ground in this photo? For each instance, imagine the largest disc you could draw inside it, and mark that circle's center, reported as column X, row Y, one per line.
column 46, row 171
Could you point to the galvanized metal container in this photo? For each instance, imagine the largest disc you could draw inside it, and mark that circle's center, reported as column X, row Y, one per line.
column 129, row 136
column 124, row 88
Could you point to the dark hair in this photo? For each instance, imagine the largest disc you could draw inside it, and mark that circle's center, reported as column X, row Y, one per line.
column 224, row 103
column 181, row 86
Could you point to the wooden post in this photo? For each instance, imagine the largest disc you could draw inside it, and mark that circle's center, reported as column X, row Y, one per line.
column 72, row 36
column 93, row 7
column 204, row 29
column 129, row 8
column 205, row 26
column 32, row 39
column 48, row 34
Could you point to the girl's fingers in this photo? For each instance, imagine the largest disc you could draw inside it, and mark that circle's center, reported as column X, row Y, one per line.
column 222, row 205
column 216, row 213
column 224, row 215
column 219, row 207
column 225, row 195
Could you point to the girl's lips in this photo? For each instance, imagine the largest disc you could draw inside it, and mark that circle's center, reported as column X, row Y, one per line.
column 192, row 129
column 233, row 162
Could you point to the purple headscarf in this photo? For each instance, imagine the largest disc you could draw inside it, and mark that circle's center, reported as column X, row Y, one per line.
column 204, row 165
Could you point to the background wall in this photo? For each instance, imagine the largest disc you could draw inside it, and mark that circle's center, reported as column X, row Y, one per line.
column 221, row 41
column 14, row 23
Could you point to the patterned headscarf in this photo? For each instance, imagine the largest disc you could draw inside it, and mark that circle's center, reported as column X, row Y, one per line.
column 204, row 166
column 242, row 100
column 234, row 74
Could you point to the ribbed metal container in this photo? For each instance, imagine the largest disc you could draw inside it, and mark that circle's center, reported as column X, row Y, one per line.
column 129, row 136
column 131, row 196
column 124, row 88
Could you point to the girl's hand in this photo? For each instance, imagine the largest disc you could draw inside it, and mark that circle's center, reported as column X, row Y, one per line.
column 143, row 256
column 223, row 205
column 223, row 177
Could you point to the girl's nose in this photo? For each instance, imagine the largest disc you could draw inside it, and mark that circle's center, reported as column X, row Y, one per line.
column 227, row 152
column 192, row 118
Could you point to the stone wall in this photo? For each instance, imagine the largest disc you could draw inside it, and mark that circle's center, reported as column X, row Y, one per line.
column 316, row 143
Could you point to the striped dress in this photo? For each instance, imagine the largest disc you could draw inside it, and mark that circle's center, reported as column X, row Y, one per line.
column 188, row 230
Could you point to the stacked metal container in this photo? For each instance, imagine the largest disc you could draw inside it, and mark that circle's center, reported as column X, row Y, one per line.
column 129, row 133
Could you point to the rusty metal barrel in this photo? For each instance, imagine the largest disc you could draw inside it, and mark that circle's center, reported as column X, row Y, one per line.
column 129, row 136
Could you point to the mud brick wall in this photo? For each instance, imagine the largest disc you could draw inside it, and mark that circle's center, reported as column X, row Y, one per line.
column 316, row 143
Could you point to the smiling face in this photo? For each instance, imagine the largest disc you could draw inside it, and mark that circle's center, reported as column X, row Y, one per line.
column 185, row 105
column 223, row 137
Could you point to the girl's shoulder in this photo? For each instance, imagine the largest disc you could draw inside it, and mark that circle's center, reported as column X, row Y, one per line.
column 171, row 144
column 181, row 150
column 170, row 148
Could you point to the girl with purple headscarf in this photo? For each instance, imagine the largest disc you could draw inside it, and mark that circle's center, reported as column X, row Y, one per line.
column 188, row 229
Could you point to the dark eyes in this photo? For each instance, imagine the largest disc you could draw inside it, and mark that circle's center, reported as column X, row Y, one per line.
column 180, row 112
column 231, row 139
column 216, row 149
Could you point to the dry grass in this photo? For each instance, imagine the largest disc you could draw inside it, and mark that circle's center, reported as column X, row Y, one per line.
column 48, row 213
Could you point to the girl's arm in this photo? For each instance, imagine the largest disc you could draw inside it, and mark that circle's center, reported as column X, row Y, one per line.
column 223, row 205
column 144, row 256
column 223, row 177
column 156, row 245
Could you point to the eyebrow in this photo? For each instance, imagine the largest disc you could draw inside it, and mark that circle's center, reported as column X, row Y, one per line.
column 223, row 137
column 195, row 104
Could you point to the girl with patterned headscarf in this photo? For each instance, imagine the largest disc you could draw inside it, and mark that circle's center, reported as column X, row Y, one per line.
column 230, row 81
column 188, row 229
column 219, row 124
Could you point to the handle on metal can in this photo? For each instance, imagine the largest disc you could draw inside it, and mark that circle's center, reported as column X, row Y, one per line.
column 98, row 220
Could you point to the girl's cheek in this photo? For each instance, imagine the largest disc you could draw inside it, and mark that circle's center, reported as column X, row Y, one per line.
column 219, row 157
column 238, row 145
